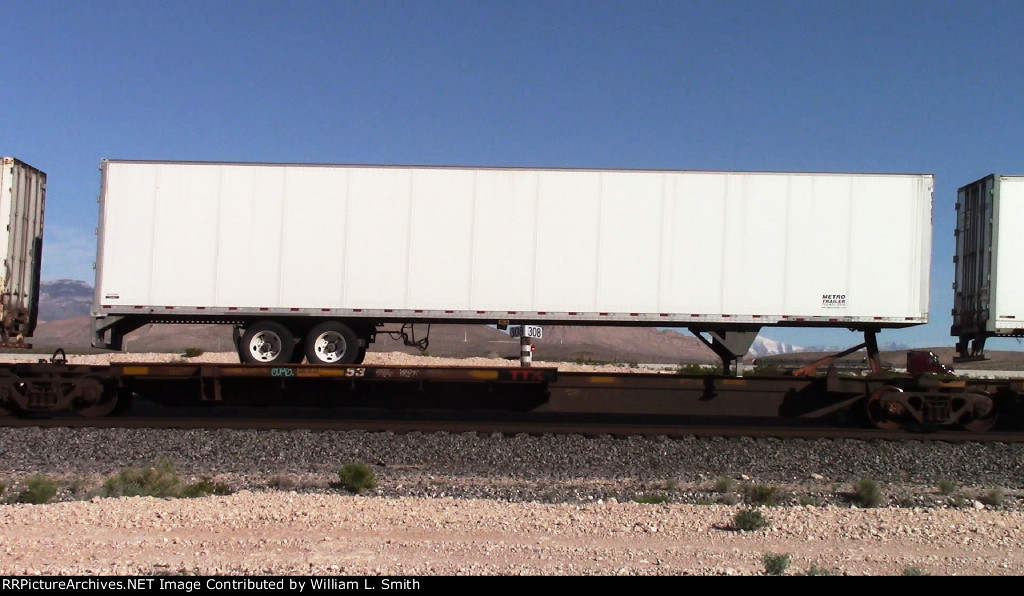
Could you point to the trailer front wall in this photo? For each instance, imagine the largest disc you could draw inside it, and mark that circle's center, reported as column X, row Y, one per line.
column 662, row 246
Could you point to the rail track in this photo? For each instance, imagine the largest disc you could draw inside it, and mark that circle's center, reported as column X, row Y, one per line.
column 227, row 419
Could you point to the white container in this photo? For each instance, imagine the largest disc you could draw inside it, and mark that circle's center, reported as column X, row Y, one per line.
column 988, row 293
column 660, row 248
column 22, row 203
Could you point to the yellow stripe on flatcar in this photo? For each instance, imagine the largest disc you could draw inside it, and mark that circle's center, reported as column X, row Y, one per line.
column 332, row 372
column 136, row 370
column 322, row 371
column 235, row 370
column 483, row 374
column 606, row 380
column 733, row 382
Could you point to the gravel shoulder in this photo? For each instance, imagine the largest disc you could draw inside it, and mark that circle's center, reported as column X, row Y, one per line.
column 318, row 534
column 495, row 505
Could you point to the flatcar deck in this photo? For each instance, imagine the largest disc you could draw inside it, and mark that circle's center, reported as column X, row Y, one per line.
column 886, row 402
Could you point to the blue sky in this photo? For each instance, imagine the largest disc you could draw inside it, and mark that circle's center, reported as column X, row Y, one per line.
column 846, row 86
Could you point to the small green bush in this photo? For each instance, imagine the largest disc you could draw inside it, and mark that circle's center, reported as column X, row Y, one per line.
column 79, row 486
column 193, row 352
column 809, row 501
column 651, row 499
column 775, row 563
column 866, row 493
column 729, row 499
column 749, row 520
column 38, row 490
column 992, row 497
column 760, row 494
column 160, row 480
column 357, row 477
column 203, row 488
column 819, row 571
column 946, row 487
column 724, row 484
column 913, row 571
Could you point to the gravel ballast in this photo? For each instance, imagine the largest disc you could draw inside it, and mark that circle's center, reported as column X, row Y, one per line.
column 471, row 504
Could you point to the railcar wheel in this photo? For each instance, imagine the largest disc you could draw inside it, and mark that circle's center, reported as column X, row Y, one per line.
column 884, row 414
column 95, row 400
column 8, row 407
column 985, row 415
column 99, row 409
column 332, row 342
column 266, row 342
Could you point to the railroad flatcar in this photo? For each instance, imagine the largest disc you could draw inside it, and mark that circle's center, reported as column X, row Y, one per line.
column 310, row 262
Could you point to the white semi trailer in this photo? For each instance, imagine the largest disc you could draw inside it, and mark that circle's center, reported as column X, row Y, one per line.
column 988, row 293
column 22, row 205
column 311, row 261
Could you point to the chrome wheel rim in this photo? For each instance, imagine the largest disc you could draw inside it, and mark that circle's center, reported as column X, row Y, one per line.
column 265, row 346
column 330, row 346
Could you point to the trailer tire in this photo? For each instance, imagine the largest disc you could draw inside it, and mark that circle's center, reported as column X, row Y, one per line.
column 266, row 342
column 332, row 342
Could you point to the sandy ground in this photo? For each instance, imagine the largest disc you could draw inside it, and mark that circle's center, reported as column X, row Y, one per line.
column 285, row 533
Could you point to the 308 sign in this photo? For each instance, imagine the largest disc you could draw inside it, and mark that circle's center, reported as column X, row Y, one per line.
column 531, row 331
